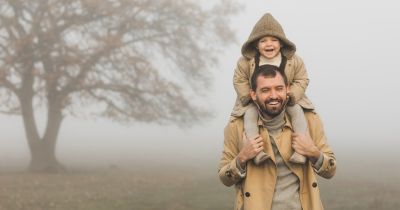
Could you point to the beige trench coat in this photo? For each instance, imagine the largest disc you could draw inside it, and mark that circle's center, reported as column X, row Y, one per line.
column 255, row 191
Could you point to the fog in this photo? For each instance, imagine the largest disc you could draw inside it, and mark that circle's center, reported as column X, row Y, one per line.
column 350, row 49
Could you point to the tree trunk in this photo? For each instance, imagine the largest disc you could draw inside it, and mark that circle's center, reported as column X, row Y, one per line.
column 43, row 158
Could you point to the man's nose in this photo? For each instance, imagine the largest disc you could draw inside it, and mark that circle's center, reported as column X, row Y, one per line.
column 273, row 94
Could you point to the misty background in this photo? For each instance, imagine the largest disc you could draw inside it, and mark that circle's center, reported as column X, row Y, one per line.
column 350, row 49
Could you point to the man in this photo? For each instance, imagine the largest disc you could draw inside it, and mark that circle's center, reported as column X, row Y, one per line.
column 277, row 184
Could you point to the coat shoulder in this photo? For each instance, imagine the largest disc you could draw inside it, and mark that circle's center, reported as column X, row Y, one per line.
column 235, row 122
column 314, row 120
column 235, row 125
column 311, row 115
column 243, row 62
column 296, row 58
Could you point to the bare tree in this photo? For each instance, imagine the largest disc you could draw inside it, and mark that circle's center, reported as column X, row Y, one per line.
column 126, row 59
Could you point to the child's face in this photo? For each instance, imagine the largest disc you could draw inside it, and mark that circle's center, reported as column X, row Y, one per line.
column 269, row 46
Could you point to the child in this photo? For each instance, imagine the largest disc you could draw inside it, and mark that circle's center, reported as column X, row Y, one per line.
column 267, row 44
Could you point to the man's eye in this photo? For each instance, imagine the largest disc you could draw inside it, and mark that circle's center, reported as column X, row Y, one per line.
column 280, row 89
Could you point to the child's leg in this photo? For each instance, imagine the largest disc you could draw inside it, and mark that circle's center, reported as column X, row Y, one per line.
column 250, row 121
column 251, row 129
column 298, row 119
column 299, row 124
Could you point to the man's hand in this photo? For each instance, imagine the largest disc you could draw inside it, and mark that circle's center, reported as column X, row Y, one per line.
column 304, row 145
column 251, row 147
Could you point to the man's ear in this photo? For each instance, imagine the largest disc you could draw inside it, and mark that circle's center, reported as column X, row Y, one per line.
column 253, row 94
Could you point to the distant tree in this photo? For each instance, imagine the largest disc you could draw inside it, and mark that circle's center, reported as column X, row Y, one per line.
column 129, row 60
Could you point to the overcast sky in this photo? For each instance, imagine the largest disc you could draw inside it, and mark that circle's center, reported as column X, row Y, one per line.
column 350, row 49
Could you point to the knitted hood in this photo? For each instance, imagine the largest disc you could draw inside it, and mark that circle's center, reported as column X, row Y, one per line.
column 267, row 26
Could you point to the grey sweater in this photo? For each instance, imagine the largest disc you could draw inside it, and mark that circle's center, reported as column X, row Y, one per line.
column 287, row 186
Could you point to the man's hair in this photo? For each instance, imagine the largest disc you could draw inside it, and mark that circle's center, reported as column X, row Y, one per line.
column 268, row 71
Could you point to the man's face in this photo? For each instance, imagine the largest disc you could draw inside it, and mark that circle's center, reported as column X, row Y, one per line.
column 271, row 95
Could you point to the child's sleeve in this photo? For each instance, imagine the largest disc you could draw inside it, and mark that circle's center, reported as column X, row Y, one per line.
column 300, row 80
column 241, row 80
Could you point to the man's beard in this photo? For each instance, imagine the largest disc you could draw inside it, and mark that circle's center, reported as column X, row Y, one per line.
column 271, row 111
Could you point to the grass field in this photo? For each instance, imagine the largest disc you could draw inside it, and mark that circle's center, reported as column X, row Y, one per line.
column 162, row 188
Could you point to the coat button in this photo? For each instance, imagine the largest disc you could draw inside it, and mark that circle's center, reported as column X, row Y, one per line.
column 314, row 184
column 247, row 194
